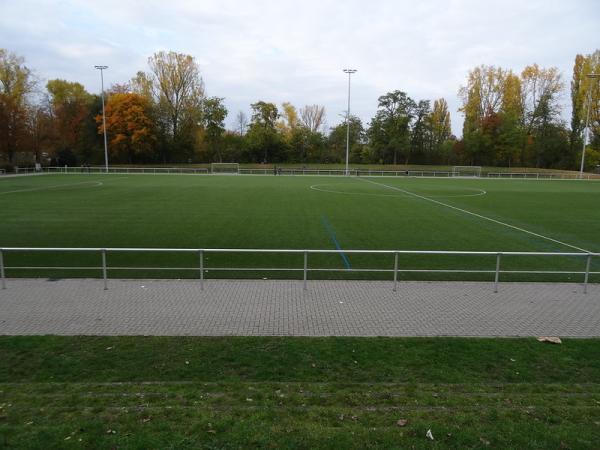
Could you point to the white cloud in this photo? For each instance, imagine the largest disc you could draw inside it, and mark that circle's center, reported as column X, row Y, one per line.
column 294, row 51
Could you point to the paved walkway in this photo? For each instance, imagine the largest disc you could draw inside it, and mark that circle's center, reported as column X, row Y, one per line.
column 339, row 308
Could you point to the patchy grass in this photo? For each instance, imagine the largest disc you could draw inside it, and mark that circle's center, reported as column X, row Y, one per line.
column 177, row 392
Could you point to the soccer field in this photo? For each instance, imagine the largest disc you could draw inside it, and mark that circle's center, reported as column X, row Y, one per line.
column 303, row 212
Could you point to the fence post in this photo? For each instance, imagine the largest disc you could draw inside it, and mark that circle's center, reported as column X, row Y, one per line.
column 201, row 270
column 2, row 269
column 587, row 273
column 104, row 276
column 305, row 267
column 395, row 270
column 497, row 272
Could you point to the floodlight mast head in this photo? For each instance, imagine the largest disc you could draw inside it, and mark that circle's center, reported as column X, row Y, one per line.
column 101, row 69
column 592, row 76
column 349, row 72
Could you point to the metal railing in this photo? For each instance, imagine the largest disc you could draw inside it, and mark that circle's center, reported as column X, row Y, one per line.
column 299, row 171
column 111, row 170
column 202, row 268
column 542, row 175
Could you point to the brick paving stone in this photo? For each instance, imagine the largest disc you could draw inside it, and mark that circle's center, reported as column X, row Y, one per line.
column 275, row 307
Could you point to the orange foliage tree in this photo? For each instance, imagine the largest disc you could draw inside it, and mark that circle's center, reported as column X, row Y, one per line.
column 129, row 126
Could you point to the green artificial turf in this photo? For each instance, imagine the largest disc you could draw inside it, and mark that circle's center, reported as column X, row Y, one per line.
column 186, row 211
column 257, row 392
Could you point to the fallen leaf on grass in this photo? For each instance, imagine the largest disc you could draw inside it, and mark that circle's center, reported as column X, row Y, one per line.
column 550, row 339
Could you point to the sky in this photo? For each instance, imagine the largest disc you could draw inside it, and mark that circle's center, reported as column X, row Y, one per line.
column 295, row 51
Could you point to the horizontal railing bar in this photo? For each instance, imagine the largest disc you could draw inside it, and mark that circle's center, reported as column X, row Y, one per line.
column 271, row 269
column 313, row 251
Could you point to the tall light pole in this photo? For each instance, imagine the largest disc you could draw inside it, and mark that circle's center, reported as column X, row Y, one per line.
column 101, row 69
column 349, row 72
column 586, row 130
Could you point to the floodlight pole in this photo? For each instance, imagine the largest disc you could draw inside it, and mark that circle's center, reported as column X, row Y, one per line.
column 101, row 69
column 586, row 130
column 349, row 72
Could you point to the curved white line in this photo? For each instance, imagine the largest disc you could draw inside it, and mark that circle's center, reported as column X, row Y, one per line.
column 96, row 183
column 315, row 187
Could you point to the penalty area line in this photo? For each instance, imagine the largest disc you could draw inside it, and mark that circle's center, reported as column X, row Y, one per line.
column 456, row 208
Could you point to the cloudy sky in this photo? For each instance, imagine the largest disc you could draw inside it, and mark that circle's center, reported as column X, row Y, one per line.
column 295, row 51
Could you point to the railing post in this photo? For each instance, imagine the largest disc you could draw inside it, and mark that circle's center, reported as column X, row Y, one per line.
column 2, row 275
column 305, row 268
column 395, row 270
column 587, row 273
column 201, row 270
column 104, row 271
column 497, row 272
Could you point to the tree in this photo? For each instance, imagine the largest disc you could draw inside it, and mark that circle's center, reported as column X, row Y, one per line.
column 420, row 131
column 70, row 106
column 584, row 91
column 312, row 117
column 143, row 85
column 337, row 142
column 178, row 90
column 16, row 86
column 264, row 115
column 129, row 126
column 288, row 121
column 482, row 101
column 539, row 90
column 241, row 122
column 213, row 117
column 264, row 141
column 389, row 131
column 438, row 123
column 483, row 94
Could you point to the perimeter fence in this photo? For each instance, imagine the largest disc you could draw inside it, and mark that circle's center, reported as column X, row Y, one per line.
column 492, row 262
column 358, row 172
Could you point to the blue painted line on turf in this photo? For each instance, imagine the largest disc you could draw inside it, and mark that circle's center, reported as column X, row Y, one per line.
column 333, row 238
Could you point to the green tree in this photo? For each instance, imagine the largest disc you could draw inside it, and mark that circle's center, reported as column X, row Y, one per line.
column 337, row 142
column 16, row 86
column 213, row 117
column 70, row 107
column 420, row 132
column 264, row 142
column 389, row 131
column 439, row 123
column 539, row 90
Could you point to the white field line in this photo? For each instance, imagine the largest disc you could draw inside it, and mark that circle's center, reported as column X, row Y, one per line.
column 477, row 215
column 317, row 187
column 43, row 188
